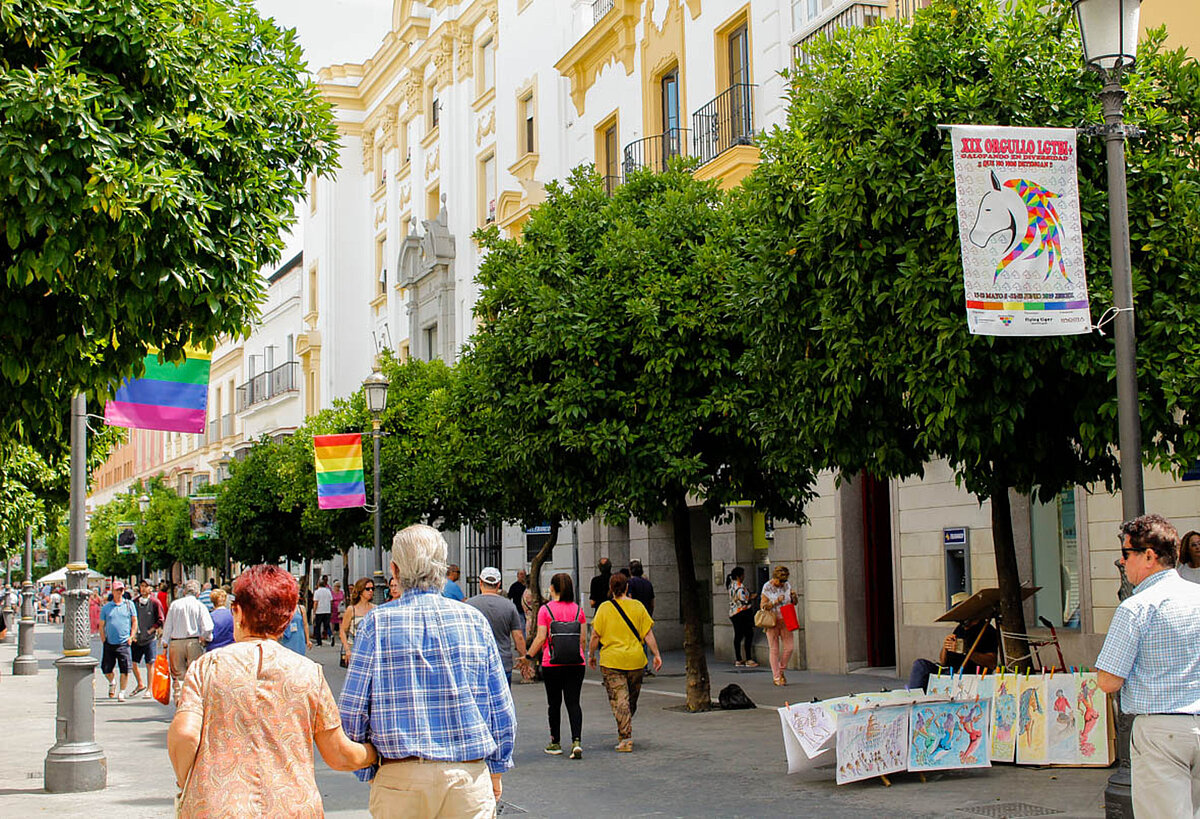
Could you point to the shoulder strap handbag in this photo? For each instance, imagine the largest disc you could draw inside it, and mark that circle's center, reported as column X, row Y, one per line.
column 628, row 622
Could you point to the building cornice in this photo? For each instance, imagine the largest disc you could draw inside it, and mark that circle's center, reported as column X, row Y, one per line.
column 614, row 37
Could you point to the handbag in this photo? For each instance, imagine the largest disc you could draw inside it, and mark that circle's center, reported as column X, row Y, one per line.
column 160, row 679
column 764, row 618
column 564, row 640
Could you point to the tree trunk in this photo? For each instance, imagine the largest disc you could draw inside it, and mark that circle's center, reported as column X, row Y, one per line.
column 699, row 692
column 346, row 570
column 1012, row 612
column 535, row 590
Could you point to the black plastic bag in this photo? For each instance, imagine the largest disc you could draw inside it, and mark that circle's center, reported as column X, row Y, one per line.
column 733, row 698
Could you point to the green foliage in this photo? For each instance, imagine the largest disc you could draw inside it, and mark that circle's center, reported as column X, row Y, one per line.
column 854, row 303
column 102, row 537
column 605, row 365
column 150, row 151
column 249, row 513
column 31, row 492
column 166, row 535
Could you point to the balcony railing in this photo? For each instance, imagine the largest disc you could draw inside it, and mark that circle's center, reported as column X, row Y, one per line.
column 725, row 122
column 264, row 386
column 905, row 9
column 601, row 8
column 654, row 152
column 856, row 15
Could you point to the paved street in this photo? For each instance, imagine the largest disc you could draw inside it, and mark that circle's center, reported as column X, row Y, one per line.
column 720, row 764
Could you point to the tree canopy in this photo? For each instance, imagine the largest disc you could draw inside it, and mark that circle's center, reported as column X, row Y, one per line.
column 150, row 152
column 855, row 306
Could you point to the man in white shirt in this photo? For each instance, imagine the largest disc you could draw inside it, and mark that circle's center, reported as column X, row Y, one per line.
column 187, row 628
column 322, row 606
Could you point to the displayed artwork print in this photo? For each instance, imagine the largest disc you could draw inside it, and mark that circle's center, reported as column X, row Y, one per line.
column 1004, row 719
column 1031, row 721
column 872, row 743
column 812, row 726
column 1091, row 721
column 1062, row 735
column 949, row 735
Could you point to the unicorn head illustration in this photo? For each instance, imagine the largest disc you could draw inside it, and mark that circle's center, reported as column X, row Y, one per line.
column 1011, row 205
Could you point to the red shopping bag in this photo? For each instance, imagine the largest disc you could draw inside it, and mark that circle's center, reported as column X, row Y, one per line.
column 788, row 613
column 160, row 680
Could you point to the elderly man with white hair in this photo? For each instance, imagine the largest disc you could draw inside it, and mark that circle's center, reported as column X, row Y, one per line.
column 426, row 684
column 187, row 628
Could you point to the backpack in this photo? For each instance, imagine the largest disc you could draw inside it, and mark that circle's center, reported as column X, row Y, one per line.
column 733, row 698
column 564, row 640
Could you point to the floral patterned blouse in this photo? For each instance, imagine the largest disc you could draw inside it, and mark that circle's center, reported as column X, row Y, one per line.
column 739, row 598
column 262, row 706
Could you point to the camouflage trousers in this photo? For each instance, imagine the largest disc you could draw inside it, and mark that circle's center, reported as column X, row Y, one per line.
column 623, row 688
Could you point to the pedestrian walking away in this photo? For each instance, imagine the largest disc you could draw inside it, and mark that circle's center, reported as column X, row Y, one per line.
column 776, row 592
column 322, row 612
column 619, row 628
column 501, row 616
column 516, row 592
column 241, row 742
column 741, row 614
column 427, row 685
column 559, row 621
column 335, row 609
column 56, row 606
column 118, row 622
column 149, row 626
column 598, row 591
column 222, row 617
column 295, row 635
column 205, row 595
column 452, row 589
column 1150, row 655
column 360, row 606
column 188, row 626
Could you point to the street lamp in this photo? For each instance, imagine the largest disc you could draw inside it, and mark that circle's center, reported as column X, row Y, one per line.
column 25, row 663
column 375, row 387
column 1109, row 30
column 143, row 507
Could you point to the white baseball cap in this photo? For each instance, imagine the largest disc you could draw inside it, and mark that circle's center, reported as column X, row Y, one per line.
column 490, row 575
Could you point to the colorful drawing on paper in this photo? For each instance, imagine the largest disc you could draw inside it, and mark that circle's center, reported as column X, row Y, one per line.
column 961, row 686
column 812, row 725
column 949, row 735
column 1012, row 203
column 872, row 743
column 1004, row 719
column 1062, row 736
column 1031, row 721
column 1091, row 721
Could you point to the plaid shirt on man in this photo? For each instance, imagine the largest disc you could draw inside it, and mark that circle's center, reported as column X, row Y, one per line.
column 1154, row 645
column 427, row 680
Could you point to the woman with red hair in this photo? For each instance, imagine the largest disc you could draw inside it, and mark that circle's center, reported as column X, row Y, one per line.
column 248, row 715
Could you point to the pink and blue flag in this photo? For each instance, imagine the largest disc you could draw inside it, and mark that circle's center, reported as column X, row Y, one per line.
column 169, row 397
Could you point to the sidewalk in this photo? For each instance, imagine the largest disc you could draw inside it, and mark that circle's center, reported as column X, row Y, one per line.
column 719, row 764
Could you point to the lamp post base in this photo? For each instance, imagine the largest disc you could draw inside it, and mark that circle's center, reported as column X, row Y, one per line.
column 25, row 664
column 76, row 763
column 1118, row 794
column 381, row 588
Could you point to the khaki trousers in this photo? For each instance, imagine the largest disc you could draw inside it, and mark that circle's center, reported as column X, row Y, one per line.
column 1165, row 759
column 419, row 788
column 180, row 655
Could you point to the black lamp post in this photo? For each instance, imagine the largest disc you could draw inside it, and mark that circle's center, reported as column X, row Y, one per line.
column 1109, row 29
column 143, row 507
column 375, row 387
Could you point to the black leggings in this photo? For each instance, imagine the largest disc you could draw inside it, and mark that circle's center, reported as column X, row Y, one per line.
column 563, row 683
column 743, row 629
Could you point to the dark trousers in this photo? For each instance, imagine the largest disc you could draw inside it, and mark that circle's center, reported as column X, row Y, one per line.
column 743, row 633
column 321, row 627
column 563, row 684
column 919, row 676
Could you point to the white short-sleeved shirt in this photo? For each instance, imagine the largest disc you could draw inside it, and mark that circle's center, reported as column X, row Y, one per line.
column 777, row 594
column 322, row 600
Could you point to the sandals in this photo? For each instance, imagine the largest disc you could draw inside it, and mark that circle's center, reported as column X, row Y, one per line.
column 625, row 746
column 751, row 664
column 781, row 680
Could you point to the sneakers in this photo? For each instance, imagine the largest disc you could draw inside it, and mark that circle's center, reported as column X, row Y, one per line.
column 138, row 690
column 625, row 746
column 751, row 664
column 112, row 688
column 554, row 749
column 121, row 695
column 576, row 750
column 739, row 664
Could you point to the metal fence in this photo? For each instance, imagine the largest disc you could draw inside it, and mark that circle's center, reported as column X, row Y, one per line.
column 856, row 15
column 724, row 122
column 264, row 386
column 601, row 8
column 482, row 548
column 655, row 151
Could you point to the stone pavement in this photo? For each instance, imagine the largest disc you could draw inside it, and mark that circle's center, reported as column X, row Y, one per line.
column 720, row 764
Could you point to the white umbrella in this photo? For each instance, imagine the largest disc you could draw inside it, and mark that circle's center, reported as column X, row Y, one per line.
column 60, row 576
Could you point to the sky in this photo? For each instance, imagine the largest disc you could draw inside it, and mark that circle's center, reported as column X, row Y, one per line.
column 332, row 31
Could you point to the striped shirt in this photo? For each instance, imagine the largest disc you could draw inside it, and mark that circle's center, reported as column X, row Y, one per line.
column 1154, row 645
column 427, row 680
column 206, row 598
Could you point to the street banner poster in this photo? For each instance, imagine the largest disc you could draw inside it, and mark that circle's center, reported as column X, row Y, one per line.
column 1022, row 244
column 169, row 397
column 339, row 464
column 202, row 511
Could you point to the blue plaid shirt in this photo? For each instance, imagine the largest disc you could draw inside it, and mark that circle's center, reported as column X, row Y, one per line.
column 426, row 679
column 1154, row 645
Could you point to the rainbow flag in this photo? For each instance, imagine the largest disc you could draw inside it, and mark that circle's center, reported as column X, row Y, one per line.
column 340, row 481
column 169, row 397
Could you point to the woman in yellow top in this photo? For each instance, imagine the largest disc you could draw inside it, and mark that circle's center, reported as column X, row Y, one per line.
column 620, row 627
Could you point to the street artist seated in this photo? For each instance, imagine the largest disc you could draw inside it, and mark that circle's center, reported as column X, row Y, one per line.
column 973, row 643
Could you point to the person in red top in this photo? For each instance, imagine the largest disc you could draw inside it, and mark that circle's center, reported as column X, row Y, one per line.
column 563, row 681
column 161, row 594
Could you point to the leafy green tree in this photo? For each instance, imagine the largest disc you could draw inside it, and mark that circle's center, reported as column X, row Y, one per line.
column 150, row 152
column 102, row 537
column 854, row 302
column 30, row 489
column 165, row 536
column 249, row 508
column 609, row 357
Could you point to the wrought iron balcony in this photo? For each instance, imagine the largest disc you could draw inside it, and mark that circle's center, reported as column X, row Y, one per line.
column 724, row 122
column 601, row 8
column 265, row 386
column 859, row 14
column 654, row 152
